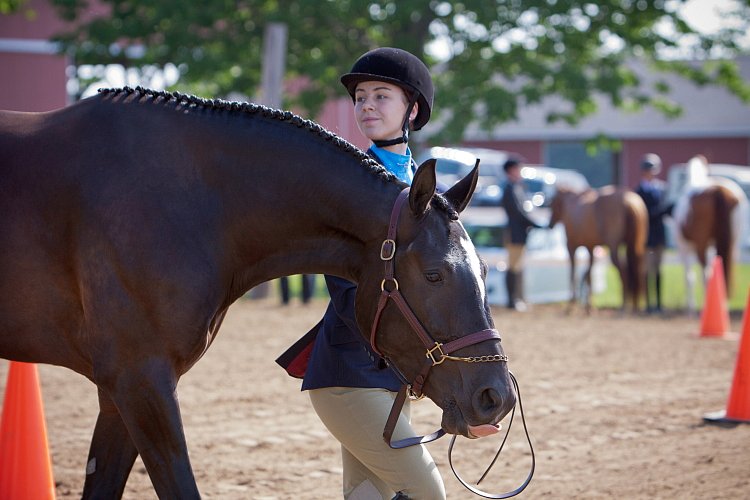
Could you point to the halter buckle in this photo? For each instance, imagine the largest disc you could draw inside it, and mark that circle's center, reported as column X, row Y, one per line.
column 387, row 249
column 431, row 354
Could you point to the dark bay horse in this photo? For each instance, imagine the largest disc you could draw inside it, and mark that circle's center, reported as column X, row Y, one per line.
column 710, row 212
column 132, row 220
column 608, row 216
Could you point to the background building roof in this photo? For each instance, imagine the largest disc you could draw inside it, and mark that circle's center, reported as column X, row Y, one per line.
column 708, row 111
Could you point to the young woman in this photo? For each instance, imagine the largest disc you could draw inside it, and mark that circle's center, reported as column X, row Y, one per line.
column 350, row 390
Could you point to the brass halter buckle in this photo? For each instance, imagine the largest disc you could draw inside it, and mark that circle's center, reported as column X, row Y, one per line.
column 431, row 354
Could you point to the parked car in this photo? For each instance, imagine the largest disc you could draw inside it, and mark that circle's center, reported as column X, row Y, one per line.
column 539, row 181
column 454, row 163
column 547, row 269
column 677, row 177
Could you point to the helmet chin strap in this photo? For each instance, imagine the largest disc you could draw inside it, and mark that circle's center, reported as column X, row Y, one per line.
column 404, row 139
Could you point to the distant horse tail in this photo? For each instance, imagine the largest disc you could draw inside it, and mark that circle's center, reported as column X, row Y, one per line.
column 636, row 233
column 724, row 202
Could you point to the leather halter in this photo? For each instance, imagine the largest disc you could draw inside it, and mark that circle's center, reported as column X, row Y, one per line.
column 436, row 352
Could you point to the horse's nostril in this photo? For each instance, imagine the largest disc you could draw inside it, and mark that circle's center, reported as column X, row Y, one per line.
column 490, row 402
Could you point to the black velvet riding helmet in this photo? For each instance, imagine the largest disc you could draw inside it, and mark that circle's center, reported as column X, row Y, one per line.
column 398, row 67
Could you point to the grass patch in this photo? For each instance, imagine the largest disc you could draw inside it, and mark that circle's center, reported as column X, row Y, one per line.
column 673, row 293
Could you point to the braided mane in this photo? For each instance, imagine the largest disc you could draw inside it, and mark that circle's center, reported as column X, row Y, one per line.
column 284, row 116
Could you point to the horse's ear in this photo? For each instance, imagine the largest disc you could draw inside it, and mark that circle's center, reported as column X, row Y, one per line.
column 422, row 187
column 460, row 194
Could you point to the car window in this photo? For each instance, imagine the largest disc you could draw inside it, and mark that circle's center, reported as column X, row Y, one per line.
column 450, row 167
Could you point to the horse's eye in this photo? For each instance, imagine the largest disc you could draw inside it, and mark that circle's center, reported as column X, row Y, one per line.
column 433, row 277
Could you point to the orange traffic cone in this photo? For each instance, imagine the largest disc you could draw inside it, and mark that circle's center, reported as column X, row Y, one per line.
column 715, row 314
column 25, row 467
column 738, row 405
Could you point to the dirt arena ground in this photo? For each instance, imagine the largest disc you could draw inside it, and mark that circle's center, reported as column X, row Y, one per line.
column 614, row 406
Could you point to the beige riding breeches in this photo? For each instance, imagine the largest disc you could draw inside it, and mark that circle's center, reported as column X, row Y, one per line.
column 372, row 469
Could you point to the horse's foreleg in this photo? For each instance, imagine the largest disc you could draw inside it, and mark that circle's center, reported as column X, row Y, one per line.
column 573, row 294
column 111, row 455
column 145, row 395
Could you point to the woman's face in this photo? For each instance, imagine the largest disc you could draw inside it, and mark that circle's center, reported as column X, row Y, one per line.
column 379, row 109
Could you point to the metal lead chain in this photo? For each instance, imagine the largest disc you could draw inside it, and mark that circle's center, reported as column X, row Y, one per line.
column 480, row 359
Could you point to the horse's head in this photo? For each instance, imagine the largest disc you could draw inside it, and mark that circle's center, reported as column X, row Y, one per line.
column 557, row 205
column 696, row 172
column 434, row 292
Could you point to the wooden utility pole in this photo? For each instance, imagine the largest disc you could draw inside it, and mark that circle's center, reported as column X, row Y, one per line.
column 274, row 60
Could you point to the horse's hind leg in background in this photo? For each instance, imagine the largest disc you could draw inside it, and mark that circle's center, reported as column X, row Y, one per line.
column 144, row 392
column 686, row 252
column 614, row 255
column 636, row 271
column 702, row 253
column 111, row 455
column 586, row 282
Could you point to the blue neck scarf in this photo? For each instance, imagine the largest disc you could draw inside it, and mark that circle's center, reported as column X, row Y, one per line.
column 397, row 164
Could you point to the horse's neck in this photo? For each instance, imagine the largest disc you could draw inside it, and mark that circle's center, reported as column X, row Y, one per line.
column 265, row 197
column 302, row 205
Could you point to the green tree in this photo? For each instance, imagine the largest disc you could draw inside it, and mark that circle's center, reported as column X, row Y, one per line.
column 489, row 57
column 11, row 6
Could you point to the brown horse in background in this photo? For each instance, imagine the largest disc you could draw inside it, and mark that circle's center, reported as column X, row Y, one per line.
column 608, row 216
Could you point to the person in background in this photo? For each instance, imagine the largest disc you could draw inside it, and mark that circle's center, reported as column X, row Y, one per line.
column 350, row 388
column 308, row 288
column 653, row 192
column 519, row 224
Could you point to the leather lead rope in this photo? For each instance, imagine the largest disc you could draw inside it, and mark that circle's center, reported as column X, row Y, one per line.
column 526, row 482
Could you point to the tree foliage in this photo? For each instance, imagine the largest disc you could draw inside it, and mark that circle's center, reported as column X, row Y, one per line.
column 11, row 6
column 489, row 57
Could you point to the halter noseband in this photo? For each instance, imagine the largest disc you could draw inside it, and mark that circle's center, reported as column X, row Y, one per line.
column 436, row 352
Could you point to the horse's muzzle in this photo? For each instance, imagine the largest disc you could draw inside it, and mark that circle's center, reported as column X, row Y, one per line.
column 488, row 405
